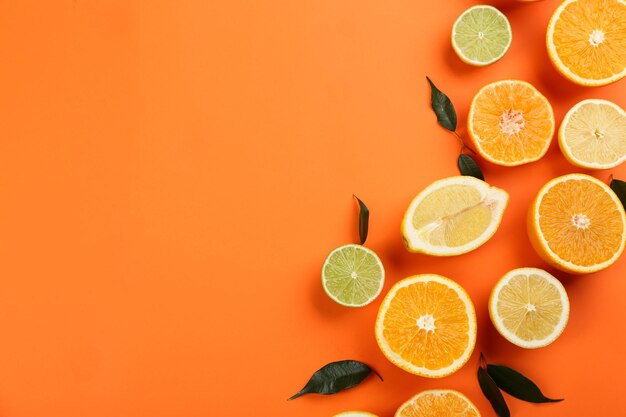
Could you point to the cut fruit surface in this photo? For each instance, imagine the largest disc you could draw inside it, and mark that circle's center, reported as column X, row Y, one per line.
column 593, row 135
column 586, row 40
column 529, row 307
column 453, row 216
column 426, row 325
column 510, row 123
column 481, row 35
column 438, row 403
column 577, row 224
column 353, row 275
column 355, row 414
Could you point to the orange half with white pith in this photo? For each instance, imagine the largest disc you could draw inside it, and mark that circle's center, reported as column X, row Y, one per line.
column 577, row 224
column 586, row 41
column 510, row 123
column 426, row 325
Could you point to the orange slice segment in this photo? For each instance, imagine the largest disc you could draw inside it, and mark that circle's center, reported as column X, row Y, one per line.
column 586, row 40
column 510, row 123
column 426, row 325
column 438, row 403
column 577, row 224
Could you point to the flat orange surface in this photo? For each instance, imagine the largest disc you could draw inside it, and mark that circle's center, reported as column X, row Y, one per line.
column 173, row 174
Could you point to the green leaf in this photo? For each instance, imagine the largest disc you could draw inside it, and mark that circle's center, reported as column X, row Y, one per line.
column 469, row 167
column 335, row 377
column 364, row 218
column 517, row 385
column 443, row 108
column 619, row 187
column 491, row 391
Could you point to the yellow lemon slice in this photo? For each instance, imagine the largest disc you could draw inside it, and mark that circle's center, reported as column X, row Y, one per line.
column 529, row 307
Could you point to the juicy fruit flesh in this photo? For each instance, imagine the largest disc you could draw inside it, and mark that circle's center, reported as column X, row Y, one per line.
column 452, row 216
column 353, row 275
column 530, row 307
column 596, row 133
column 427, row 325
column 561, row 212
column 438, row 404
column 511, row 122
column 590, row 38
column 482, row 34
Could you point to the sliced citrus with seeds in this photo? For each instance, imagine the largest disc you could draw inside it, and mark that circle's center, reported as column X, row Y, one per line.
column 453, row 216
column 510, row 123
column 593, row 134
column 481, row 35
column 586, row 40
column 529, row 307
column 355, row 414
column 577, row 224
column 426, row 325
column 353, row 275
column 438, row 403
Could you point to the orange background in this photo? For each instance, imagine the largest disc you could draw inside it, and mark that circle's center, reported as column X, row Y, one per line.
column 174, row 173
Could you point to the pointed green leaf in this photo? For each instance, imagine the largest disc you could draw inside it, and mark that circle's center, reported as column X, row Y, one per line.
column 443, row 107
column 619, row 187
column 335, row 377
column 469, row 167
column 364, row 218
column 491, row 391
column 517, row 385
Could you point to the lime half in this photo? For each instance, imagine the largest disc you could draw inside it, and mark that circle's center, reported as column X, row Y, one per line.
column 353, row 275
column 481, row 35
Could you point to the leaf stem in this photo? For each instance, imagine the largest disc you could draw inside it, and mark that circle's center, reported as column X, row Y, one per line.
column 463, row 145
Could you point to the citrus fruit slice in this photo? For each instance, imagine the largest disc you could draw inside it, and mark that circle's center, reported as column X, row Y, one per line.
column 593, row 135
column 355, row 414
column 481, row 35
column 586, row 40
column 453, row 216
column 577, row 224
column 529, row 307
column 426, row 325
column 353, row 275
column 438, row 403
column 510, row 123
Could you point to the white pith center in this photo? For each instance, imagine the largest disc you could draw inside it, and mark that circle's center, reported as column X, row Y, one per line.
column 598, row 134
column 354, row 275
column 596, row 37
column 530, row 307
column 581, row 221
column 511, row 122
column 426, row 322
column 481, row 35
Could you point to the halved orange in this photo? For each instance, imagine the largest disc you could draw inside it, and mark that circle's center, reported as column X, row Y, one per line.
column 510, row 123
column 438, row 403
column 586, row 40
column 577, row 224
column 426, row 325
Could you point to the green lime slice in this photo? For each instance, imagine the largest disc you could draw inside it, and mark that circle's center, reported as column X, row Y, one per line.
column 353, row 275
column 481, row 35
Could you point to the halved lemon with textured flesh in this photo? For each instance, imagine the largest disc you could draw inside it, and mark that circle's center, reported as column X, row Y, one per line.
column 481, row 35
column 529, row 307
column 593, row 134
column 355, row 414
column 453, row 216
column 510, row 123
column 438, row 403
column 426, row 325
column 586, row 40
column 353, row 275
column 577, row 224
